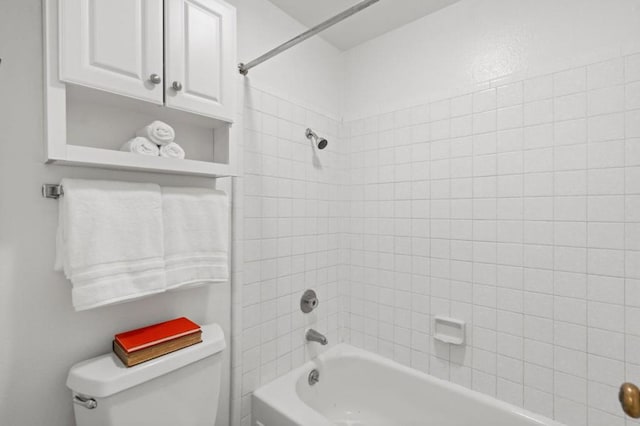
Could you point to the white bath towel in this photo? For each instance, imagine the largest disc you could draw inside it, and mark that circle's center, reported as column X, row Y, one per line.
column 158, row 132
column 141, row 145
column 172, row 150
column 110, row 241
column 196, row 236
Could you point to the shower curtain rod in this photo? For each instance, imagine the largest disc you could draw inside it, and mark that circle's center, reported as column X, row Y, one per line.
column 244, row 68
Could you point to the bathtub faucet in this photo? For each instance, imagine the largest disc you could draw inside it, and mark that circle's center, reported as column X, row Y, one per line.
column 314, row 336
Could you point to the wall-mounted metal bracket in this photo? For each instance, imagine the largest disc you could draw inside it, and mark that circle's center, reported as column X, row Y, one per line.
column 52, row 191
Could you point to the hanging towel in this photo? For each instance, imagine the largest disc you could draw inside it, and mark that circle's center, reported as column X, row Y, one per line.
column 172, row 150
column 196, row 236
column 141, row 145
column 110, row 241
column 158, row 132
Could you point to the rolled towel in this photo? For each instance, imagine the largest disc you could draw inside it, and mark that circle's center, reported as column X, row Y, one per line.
column 158, row 132
column 140, row 145
column 172, row 150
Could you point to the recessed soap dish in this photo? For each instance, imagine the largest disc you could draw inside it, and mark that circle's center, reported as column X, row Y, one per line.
column 448, row 330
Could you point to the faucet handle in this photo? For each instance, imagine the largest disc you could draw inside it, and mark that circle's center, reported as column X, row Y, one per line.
column 309, row 301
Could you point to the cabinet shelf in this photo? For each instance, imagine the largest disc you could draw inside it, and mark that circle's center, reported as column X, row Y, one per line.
column 107, row 158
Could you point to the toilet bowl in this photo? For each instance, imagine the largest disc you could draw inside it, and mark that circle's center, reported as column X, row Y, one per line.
column 181, row 388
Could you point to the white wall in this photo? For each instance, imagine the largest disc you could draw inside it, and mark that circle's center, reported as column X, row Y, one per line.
column 474, row 41
column 42, row 334
column 287, row 207
column 494, row 179
column 311, row 74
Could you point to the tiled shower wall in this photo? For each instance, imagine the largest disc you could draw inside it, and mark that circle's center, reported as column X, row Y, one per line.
column 290, row 206
column 517, row 209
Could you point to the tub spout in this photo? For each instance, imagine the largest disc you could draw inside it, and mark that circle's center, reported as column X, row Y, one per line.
column 314, row 336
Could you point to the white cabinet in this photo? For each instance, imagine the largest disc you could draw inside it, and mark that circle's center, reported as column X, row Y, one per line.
column 199, row 56
column 113, row 45
column 180, row 53
column 116, row 46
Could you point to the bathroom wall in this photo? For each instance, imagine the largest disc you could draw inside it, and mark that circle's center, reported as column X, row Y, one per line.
column 494, row 175
column 289, row 202
column 42, row 334
column 294, row 207
column 473, row 41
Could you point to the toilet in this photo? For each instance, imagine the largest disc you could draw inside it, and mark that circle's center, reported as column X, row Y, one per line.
column 181, row 388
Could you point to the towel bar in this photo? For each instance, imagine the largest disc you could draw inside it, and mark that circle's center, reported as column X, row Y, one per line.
column 52, row 191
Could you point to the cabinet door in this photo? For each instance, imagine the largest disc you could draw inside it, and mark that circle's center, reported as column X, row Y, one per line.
column 113, row 45
column 200, row 57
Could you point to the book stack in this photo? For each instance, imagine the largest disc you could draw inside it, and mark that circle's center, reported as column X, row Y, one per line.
column 146, row 343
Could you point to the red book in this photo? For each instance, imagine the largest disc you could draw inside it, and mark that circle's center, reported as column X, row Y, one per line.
column 144, row 337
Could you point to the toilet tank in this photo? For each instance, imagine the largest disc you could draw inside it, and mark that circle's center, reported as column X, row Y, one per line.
column 181, row 388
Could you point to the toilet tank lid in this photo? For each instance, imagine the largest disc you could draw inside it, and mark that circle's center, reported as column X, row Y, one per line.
column 105, row 375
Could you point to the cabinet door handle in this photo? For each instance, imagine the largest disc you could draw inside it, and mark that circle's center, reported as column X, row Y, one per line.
column 177, row 86
column 155, row 79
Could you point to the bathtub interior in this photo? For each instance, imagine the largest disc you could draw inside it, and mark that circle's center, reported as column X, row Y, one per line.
column 358, row 389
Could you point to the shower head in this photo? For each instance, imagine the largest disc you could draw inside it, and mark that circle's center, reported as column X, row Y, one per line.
column 321, row 143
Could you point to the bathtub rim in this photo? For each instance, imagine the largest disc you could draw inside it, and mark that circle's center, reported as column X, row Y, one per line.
column 280, row 394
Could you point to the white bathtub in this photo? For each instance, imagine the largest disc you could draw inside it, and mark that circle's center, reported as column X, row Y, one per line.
column 357, row 387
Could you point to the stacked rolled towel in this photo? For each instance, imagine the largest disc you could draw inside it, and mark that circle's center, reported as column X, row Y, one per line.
column 172, row 150
column 158, row 132
column 163, row 136
column 140, row 145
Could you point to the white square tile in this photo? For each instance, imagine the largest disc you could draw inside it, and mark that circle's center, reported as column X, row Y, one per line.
column 570, row 107
column 573, row 182
column 632, row 95
column 538, row 112
column 570, row 259
column 484, row 122
column 484, row 100
column 570, row 132
column 569, row 412
column 538, row 160
column 570, row 81
column 606, row 181
column 632, row 124
column 510, row 94
column 606, row 100
column 538, row 88
column 510, row 140
column 606, row 154
column 570, row 157
column 570, row 387
column 606, row 235
column 570, row 361
column 462, row 105
column 605, row 316
column 570, row 335
column 606, row 127
column 570, row 310
column 510, row 117
column 606, row 208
